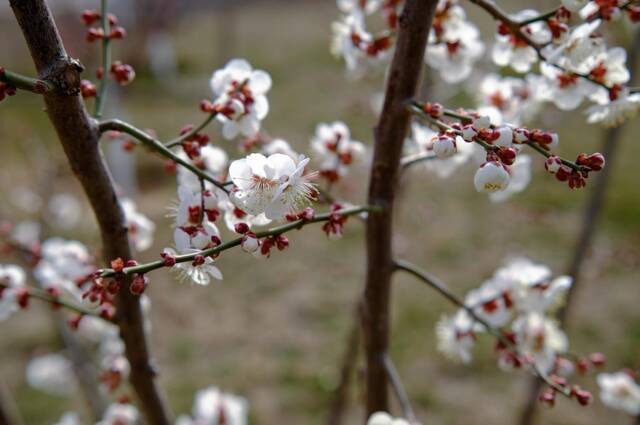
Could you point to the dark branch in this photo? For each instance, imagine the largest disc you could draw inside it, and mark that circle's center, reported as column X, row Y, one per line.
column 79, row 136
column 402, row 85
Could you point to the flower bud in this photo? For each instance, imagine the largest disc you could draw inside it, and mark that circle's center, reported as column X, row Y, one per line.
column 552, row 164
column 491, row 177
column 597, row 359
column 117, row 33
column 444, row 146
column 241, row 228
column 548, row 397
column 200, row 240
column 504, row 137
column 88, row 89
column 507, row 155
column 94, row 34
column 138, row 285
column 89, row 17
column 250, row 243
column 482, row 122
column 169, row 260
column 469, row 132
column 124, row 74
column 520, row 135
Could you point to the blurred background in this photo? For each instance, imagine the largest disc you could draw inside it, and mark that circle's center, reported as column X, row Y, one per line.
column 274, row 331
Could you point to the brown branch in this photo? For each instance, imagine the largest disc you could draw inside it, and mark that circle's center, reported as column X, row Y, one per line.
column 79, row 135
column 592, row 212
column 392, row 128
column 9, row 414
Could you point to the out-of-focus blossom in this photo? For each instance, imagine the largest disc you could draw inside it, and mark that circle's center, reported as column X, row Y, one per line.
column 51, row 373
column 620, row 391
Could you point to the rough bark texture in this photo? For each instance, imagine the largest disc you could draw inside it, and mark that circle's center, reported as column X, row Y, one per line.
column 402, row 85
column 79, row 136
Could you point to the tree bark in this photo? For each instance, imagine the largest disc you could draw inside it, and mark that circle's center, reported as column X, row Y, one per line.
column 392, row 128
column 79, row 136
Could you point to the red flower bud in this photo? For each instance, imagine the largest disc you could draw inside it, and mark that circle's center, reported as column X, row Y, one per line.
column 138, row 285
column 89, row 17
column 241, row 228
column 88, row 89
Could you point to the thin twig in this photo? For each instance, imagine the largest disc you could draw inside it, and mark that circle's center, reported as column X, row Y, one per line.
column 101, row 96
column 417, row 109
column 158, row 147
column 23, row 82
column 443, row 290
column 54, row 300
column 189, row 134
column 294, row 225
column 398, row 388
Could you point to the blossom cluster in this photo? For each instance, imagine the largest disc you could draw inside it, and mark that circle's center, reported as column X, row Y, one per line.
column 122, row 73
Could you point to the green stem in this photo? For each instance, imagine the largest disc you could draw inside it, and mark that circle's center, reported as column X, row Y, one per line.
column 23, row 82
column 416, row 108
column 106, row 60
column 178, row 141
column 294, row 225
column 154, row 144
column 43, row 295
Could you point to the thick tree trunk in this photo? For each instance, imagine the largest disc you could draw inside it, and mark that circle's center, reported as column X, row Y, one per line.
column 79, row 136
column 392, row 128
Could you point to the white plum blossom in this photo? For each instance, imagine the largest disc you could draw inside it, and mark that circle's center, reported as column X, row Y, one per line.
column 491, row 302
column 454, row 44
column 12, row 278
column 574, row 5
column 422, row 140
column 243, row 90
column 511, row 50
column 539, row 338
column 190, row 241
column 52, row 374
column 615, row 112
column 334, row 150
column 456, row 336
column 212, row 407
column 279, row 146
column 565, row 90
column 140, row 228
column 383, row 418
column 370, row 6
column 120, row 414
column 620, row 391
column 63, row 264
column 234, row 215
column 509, row 99
column 491, row 177
column 520, row 178
column 212, row 159
column 579, row 50
column 274, row 185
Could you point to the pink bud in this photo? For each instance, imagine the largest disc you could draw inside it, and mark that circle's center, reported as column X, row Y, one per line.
column 241, row 228
column 138, row 285
column 250, row 243
column 444, row 147
column 552, row 164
